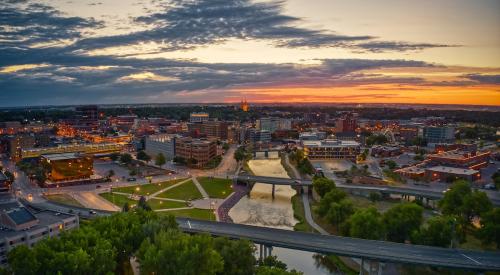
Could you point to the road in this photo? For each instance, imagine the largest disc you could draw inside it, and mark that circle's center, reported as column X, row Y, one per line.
column 350, row 247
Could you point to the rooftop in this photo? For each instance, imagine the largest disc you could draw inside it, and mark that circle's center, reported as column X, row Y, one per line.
column 45, row 218
column 458, row 154
column 330, row 143
column 63, row 156
column 2, row 176
column 452, row 170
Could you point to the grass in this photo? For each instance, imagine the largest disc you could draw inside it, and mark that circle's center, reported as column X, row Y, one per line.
column 63, row 199
column 216, row 188
column 471, row 242
column 162, row 204
column 118, row 200
column 299, row 215
column 185, row 191
column 145, row 189
column 201, row 214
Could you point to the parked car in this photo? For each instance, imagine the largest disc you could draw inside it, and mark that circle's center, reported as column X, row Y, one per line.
column 131, row 179
column 92, row 212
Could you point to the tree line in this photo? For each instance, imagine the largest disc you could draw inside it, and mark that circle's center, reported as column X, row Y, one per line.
column 463, row 211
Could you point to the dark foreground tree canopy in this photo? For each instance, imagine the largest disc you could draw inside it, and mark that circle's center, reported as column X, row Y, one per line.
column 105, row 246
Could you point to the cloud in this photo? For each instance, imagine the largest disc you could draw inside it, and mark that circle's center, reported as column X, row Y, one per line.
column 484, row 78
column 385, row 46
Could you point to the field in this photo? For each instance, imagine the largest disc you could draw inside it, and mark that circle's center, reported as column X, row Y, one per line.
column 147, row 189
column 185, row 191
column 63, row 199
column 118, row 200
column 201, row 214
column 215, row 187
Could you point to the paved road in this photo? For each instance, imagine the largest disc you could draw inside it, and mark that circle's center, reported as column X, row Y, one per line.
column 357, row 248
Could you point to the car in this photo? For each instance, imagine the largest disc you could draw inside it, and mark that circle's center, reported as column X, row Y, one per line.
column 131, row 179
column 98, row 186
column 297, row 181
column 490, row 186
column 92, row 212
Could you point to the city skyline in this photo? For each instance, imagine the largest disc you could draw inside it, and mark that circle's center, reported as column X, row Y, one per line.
column 206, row 51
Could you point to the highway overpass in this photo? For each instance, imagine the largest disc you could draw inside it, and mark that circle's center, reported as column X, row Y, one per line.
column 380, row 251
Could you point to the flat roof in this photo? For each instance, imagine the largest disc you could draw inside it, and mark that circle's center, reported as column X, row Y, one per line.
column 458, row 154
column 329, row 143
column 62, row 156
column 2, row 176
column 453, row 170
column 45, row 218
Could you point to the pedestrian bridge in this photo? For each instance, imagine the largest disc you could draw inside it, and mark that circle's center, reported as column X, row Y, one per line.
column 380, row 251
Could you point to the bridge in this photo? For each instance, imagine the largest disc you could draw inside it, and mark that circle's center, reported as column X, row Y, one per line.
column 89, row 148
column 416, row 192
column 380, row 251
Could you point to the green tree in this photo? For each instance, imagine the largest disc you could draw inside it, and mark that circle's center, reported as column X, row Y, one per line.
column 339, row 212
column 391, row 164
column 476, row 204
column 462, row 202
column 366, row 224
column 272, row 266
column 126, row 158
column 402, row 220
column 490, row 227
column 126, row 207
column 9, row 176
column 333, row 196
column 375, row 196
column 114, row 156
column 160, row 160
column 438, row 231
column 239, row 154
column 143, row 204
column 143, row 156
column 172, row 252
column 238, row 256
column 323, row 185
column 23, row 261
column 110, row 174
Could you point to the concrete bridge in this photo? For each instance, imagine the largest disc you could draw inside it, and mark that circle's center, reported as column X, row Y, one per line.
column 379, row 251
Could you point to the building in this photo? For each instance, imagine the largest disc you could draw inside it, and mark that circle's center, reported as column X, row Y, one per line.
column 258, row 136
column 386, row 151
column 316, row 117
column 273, row 124
column 408, row 132
column 449, row 174
column 198, row 117
column 4, row 183
column 445, row 147
column 22, row 226
column 215, row 129
column 88, row 148
column 439, row 134
column 244, row 106
column 164, row 144
column 196, row 152
column 347, row 123
column 461, row 159
column 331, row 149
column 68, row 166
column 312, row 136
column 19, row 142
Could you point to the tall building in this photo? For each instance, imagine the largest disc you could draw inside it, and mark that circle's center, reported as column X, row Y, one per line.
column 196, row 152
column 244, row 106
column 19, row 142
column 439, row 134
column 165, row 144
column 331, row 149
column 273, row 124
column 347, row 123
column 258, row 136
column 198, row 117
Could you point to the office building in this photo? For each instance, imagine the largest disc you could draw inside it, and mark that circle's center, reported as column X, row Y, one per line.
column 273, row 124
column 461, row 159
column 439, row 134
column 198, row 117
column 450, row 174
column 346, row 123
column 331, row 149
column 19, row 142
column 196, row 152
column 68, row 166
column 165, row 144
column 312, row 136
column 258, row 136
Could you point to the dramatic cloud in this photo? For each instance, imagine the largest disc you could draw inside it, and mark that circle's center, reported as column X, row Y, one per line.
column 385, row 46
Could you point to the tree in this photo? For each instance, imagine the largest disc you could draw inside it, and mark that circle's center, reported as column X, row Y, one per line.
column 237, row 255
column 239, row 154
column 462, row 202
column 114, row 156
column 225, row 146
column 490, row 227
column 111, row 173
column 376, row 139
column 438, row 231
column 391, row 164
column 179, row 160
column 323, row 185
column 23, row 261
column 143, row 156
column 476, row 204
column 126, row 207
column 401, row 220
column 366, row 224
column 272, row 266
column 375, row 196
column 160, row 160
column 126, row 158
column 339, row 212
column 334, row 195
column 173, row 252
column 143, row 204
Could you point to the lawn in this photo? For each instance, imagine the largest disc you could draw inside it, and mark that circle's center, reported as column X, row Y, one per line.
column 63, row 199
column 215, row 187
column 145, row 189
column 298, row 213
column 185, row 191
column 162, row 204
column 200, row 214
column 118, row 200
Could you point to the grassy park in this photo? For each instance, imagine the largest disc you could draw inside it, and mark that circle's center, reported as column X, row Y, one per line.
column 118, row 200
column 215, row 187
column 202, row 214
column 156, row 204
column 145, row 189
column 185, row 191
column 63, row 199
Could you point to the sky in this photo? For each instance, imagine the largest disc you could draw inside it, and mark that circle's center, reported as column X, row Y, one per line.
column 67, row 52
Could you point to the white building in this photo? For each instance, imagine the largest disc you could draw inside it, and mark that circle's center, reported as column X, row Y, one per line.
column 164, row 144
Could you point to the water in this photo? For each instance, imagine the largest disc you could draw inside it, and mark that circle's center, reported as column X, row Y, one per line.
column 261, row 210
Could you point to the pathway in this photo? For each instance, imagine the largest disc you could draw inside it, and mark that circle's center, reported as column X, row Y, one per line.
column 305, row 201
column 94, row 201
column 166, row 188
column 200, row 188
